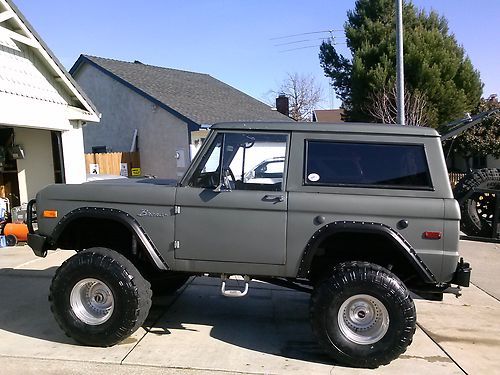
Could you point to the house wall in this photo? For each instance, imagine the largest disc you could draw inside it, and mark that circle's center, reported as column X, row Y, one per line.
column 36, row 170
column 492, row 162
column 161, row 134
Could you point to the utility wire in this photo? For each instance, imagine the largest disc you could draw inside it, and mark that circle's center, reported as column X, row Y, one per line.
column 307, row 40
column 315, row 46
column 309, row 33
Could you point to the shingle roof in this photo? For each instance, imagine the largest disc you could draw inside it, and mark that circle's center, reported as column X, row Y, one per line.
column 195, row 96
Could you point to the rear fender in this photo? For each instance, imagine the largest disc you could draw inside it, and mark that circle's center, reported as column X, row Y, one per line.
column 363, row 227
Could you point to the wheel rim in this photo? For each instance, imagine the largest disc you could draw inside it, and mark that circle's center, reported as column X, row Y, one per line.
column 92, row 301
column 363, row 319
column 485, row 205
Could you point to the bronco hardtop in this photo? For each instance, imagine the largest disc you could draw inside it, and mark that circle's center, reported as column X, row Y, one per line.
column 357, row 215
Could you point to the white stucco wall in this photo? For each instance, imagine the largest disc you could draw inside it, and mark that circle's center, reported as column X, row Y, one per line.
column 36, row 170
column 123, row 110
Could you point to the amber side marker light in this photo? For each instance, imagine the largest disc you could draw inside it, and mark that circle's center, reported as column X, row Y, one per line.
column 50, row 213
column 432, row 235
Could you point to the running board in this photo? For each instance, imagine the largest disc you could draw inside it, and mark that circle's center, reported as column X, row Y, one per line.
column 234, row 292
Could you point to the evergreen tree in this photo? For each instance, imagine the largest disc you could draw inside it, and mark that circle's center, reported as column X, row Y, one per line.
column 483, row 139
column 436, row 67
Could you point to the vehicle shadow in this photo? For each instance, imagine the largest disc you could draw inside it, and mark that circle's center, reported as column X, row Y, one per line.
column 25, row 309
column 25, row 306
column 269, row 320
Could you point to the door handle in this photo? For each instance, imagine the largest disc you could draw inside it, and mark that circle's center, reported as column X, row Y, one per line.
column 273, row 198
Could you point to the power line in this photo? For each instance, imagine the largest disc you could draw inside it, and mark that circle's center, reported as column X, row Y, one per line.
column 307, row 40
column 315, row 46
column 309, row 33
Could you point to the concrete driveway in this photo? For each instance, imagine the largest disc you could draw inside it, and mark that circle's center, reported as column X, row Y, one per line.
column 197, row 331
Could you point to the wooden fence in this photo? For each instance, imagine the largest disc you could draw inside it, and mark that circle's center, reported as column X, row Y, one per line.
column 111, row 163
column 454, row 178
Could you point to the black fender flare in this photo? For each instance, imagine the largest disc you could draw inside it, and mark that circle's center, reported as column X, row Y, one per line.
column 363, row 227
column 111, row 214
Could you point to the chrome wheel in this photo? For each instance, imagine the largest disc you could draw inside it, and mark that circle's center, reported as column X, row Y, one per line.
column 363, row 319
column 485, row 205
column 92, row 301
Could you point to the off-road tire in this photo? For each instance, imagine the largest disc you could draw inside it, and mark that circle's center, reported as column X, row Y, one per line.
column 475, row 221
column 130, row 292
column 350, row 280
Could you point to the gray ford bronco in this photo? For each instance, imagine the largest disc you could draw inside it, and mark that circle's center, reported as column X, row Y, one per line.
column 357, row 215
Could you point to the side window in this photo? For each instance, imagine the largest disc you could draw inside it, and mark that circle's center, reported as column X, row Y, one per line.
column 243, row 161
column 401, row 166
column 207, row 173
column 259, row 161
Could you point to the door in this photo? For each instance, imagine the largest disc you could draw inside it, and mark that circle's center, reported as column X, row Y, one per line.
column 231, row 210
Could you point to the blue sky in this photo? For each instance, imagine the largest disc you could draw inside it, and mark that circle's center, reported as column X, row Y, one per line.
column 234, row 40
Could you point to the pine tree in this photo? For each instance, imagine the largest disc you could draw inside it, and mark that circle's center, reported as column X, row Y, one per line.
column 436, row 66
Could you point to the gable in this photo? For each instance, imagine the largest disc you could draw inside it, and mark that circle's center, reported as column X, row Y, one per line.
column 30, row 73
column 197, row 97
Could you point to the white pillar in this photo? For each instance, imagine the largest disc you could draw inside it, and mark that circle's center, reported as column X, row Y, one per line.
column 73, row 155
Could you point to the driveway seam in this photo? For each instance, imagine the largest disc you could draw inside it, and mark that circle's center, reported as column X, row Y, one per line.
column 157, row 319
column 443, row 349
column 484, row 291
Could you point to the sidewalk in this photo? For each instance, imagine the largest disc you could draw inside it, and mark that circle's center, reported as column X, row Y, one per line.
column 198, row 331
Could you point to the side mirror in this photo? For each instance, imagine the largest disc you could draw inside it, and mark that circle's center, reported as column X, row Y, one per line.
column 249, row 175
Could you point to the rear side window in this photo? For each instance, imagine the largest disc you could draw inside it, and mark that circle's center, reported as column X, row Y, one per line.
column 402, row 166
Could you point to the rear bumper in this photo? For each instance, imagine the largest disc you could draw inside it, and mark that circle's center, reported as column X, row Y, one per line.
column 462, row 274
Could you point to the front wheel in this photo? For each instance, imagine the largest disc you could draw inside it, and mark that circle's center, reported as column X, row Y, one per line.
column 99, row 298
column 363, row 315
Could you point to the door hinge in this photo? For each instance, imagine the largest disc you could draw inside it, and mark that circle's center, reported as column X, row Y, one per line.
column 177, row 245
column 177, row 210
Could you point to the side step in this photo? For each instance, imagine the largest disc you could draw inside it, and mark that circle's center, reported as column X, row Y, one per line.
column 234, row 292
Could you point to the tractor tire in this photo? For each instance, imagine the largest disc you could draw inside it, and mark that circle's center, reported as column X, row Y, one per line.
column 477, row 209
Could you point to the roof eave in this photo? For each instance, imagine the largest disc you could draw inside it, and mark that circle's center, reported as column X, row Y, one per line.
column 52, row 62
column 82, row 59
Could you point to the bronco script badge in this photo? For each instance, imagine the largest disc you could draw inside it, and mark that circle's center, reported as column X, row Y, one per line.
column 146, row 213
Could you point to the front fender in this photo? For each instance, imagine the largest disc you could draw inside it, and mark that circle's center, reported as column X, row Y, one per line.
column 109, row 214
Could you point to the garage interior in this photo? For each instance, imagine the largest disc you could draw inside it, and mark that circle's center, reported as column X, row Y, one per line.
column 14, row 159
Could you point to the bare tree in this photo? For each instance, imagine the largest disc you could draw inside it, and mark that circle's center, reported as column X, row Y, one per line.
column 383, row 108
column 303, row 94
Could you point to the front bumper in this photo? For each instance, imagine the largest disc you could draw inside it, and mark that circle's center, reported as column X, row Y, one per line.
column 38, row 244
column 462, row 274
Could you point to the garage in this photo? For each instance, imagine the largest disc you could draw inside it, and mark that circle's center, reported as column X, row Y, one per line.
column 42, row 112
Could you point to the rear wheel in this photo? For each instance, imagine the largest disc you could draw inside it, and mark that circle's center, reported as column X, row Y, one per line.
column 363, row 315
column 99, row 298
